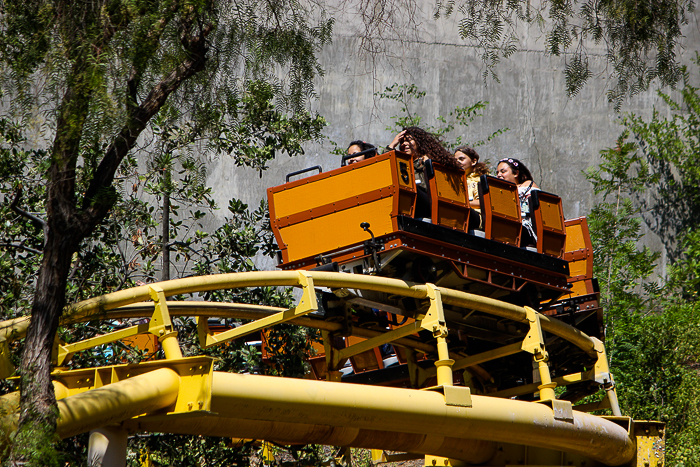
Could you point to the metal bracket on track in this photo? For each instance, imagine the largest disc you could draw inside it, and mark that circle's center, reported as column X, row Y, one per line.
column 563, row 409
column 66, row 351
column 161, row 325
column 434, row 320
column 534, row 340
column 455, row 396
column 603, row 376
column 196, row 376
column 534, row 344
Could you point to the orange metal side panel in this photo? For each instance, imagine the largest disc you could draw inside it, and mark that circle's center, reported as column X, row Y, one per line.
column 551, row 215
column 319, row 367
column 451, row 185
column 405, row 180
column 450, row 205
column 305, row 213
column 365, row 361
column 574, row 237
column 332, row 189
column 404, row 168
column 505, row 203
column 578, row 249
column 406, row 203
column 579, row 288
column 500, row 210
column 552, row 234
column 337, row 230
column 577, row 269
column 452, row 216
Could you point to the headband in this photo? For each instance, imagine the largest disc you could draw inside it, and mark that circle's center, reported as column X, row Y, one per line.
column 510, row 161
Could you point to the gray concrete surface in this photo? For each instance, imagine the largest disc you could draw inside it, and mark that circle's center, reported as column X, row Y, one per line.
column 557, row 137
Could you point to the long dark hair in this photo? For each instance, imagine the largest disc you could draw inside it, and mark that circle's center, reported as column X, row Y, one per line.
column 363, row 147
column 479, row 168
column 516, row 166
column 429, row 145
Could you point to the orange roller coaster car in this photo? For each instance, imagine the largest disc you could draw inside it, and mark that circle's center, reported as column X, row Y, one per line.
column 359, row 219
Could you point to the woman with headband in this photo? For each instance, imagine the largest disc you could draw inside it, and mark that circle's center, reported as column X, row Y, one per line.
column 512, row 170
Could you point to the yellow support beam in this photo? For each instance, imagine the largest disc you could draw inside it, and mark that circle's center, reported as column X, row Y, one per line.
column 194, row 372
column 435, row 461
column 307, row 304
column 161, row 325
column 102, row 406
column 383, row 338
column 83, row 310
column 254, row 312
column 483, row 357
column 434, row 321
column 605, row 378
column 103, row 306
column 13, row 329
column 185, row 395
column 534, row 344
column 6, row 366
column 351, row 412
column 64, row 351
column 530, row 388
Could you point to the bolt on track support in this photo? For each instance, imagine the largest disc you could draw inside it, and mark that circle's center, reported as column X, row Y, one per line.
column 605, row 378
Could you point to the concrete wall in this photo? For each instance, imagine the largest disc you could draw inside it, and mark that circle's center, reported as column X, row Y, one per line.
column 556, row 137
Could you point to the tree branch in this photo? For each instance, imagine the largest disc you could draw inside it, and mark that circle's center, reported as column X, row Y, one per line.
column 94, row 209
column 41, row 223
column 21, row 247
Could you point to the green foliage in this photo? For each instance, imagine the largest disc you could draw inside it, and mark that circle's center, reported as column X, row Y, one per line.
column 652, row 325
column 21, row 236
column 684, row 274
column 167, row 449
column 660, row 169
column 669, row 148
column 32, row 446
column 408, row 95
column 656, row 370
column 102, row 83
column 615, row 225
column 262, row 131
column 641, row 38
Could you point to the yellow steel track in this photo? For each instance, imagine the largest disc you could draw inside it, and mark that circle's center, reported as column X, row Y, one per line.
column 186, row 395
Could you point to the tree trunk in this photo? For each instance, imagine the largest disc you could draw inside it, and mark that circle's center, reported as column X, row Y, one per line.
column 37, row 422
column 67, row 226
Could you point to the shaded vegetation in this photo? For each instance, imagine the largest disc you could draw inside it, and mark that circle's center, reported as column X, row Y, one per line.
column 652, row 323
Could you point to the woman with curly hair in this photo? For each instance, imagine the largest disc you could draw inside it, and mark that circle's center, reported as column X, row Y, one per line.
column 422, row 146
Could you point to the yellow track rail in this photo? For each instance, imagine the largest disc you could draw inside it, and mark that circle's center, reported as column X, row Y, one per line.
column 185, row 395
